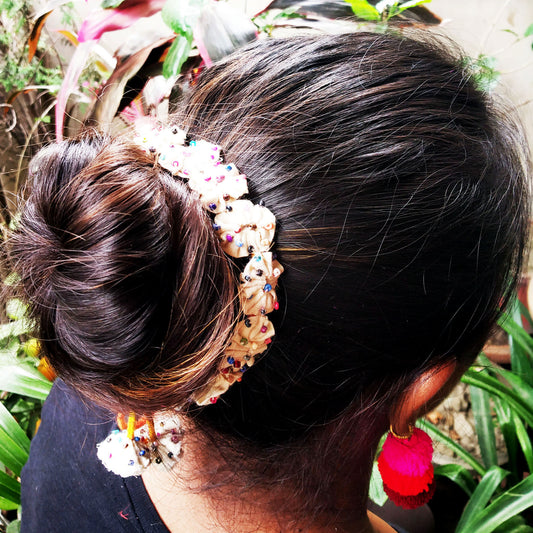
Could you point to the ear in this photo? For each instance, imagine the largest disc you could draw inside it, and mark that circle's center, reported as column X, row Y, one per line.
column 423, row 395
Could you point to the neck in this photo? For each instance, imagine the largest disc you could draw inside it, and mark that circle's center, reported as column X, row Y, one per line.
column 220, row 499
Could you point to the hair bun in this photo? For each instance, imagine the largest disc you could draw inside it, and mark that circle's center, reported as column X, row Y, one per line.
column 125, row 277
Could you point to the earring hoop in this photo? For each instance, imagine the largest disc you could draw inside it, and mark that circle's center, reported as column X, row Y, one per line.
column 396, row 435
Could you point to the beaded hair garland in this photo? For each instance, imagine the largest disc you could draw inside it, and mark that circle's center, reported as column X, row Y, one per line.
column 245, row 229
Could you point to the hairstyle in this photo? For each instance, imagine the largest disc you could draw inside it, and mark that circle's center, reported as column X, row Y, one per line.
column 400, row 197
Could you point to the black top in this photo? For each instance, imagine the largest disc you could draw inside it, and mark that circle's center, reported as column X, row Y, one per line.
column 65, row 487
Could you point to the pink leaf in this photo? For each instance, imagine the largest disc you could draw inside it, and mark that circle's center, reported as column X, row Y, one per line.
column 104, row 20
column 76, row 65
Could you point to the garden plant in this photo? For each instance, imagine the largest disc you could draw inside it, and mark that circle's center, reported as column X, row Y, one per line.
column 47, row 97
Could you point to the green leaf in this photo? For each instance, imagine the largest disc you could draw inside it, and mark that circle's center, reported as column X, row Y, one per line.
column 512, row 502
column 13, row 527
column 524, row 440
column 484, row 425
column 525, row 312
column 516, row 524
column 181, row 16
column 177, row 55
column 16, row 309
column 505, row 421
column 14, row 444
column 16, row 328
column 438, row 435
column 411, row 3
column 23, row 378
column 376, row 492
column 459, row 475
column 492, row 385
column 12, row 279
column 529, row 31
column 108, row 4
column 520, row 342
column 9, row 492
column 363, row 10
column 484, row 491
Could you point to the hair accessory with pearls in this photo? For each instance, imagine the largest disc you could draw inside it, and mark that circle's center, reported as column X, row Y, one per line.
column 245, row 229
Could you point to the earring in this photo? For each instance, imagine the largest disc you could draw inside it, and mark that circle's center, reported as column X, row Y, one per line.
column 406, row 469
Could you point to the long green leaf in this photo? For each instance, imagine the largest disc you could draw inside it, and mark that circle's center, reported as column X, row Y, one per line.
column 14, row 444
column 516, row 524
column 521, row 359
column 438, row 435
column 492, row 385
column 15, row 328
column 484, row 491
column 525, row 441
column 505, row 421
column 177, row 55
column 24, row 379
column 484, row 425
column 376, row 492
column 9, row 489
column 459, row 475
column 364, row 10
column 512, row 502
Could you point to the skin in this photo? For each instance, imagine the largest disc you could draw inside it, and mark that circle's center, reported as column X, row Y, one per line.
column 186, row 509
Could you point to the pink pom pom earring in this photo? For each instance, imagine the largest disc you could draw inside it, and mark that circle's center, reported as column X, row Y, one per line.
column 406, row 469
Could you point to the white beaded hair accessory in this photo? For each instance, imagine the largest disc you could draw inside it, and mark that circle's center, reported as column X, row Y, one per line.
column 245, row 229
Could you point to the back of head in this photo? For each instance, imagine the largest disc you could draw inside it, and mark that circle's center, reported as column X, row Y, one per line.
column 400, row 198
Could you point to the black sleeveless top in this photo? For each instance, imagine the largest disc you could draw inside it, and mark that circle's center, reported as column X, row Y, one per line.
column 65, row 487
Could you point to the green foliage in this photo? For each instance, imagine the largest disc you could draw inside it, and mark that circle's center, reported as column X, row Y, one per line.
column 500, row 398
column 382, row 11
column 17, row 72
column 24, row 389
column 483, row 71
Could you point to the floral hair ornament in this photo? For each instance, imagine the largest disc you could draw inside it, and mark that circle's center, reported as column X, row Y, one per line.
column 245, row 229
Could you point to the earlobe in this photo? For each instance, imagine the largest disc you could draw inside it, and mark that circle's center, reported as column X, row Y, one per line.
column 423, row 395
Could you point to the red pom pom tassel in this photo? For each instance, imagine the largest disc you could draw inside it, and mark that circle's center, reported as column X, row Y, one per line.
column 406, row 469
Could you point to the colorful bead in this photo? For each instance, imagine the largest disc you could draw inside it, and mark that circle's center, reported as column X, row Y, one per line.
column 263, row 329
column 136, row 439
column 131, row 462
column 240, row 244
column 247, row 278
column 213, row 399
column 258, row 259
column 247, row 322
column 220, row 179
column 212, row 206
column 229, row 167
column 244, row 368
column 175, row 439
column 276, row 305
column 244, row 341
column 267, row 287
column 268, row 341
column 192, row 143
column 237, row 364
column 230, row 360
column 216, row 227
column 250, row 249
column 259, row 272
column 229, row 237
column 229, row 208
column 142, row 452
column 170, row 455
column 158, row 460
column 226, row 197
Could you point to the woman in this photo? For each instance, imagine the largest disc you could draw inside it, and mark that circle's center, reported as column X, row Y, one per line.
column 400, row 203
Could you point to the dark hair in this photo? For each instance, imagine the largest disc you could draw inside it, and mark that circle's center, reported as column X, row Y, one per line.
column 400, row 198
